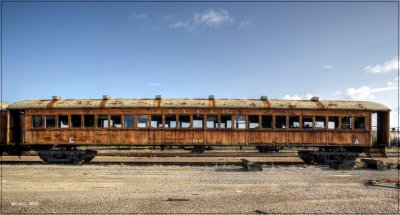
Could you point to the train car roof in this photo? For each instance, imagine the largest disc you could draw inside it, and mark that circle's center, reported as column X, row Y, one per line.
column 198, row 103
column 4, row 105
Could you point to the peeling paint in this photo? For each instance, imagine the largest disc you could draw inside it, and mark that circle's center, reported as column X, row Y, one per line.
column 201, row 103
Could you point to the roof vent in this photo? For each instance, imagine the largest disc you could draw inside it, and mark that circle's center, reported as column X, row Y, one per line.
column 56, row 98
column 158, row 97
column 315, row 98
column 211, row 97
column 106, row 97
column 264, row 98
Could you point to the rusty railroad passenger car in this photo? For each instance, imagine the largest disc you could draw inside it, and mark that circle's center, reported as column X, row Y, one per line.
column 67, row 124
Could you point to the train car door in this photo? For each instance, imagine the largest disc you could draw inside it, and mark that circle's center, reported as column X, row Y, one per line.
column 16, row 126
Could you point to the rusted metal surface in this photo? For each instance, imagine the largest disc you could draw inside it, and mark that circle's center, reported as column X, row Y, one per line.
column 200, row 136
column 200, row 103
column 193, row 136
column 3, row 122
column 4, row 105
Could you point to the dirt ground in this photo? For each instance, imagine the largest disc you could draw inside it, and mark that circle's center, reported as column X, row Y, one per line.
column 171, row 189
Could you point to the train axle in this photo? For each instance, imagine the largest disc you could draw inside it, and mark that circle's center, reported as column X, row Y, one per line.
column 67, row 156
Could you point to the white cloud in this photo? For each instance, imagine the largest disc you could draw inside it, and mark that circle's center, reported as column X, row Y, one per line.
column 179, row 24
column 359, row 94
column 244, row 24
column 394, row 82
column 297, row 97
column 327, row 66
column 153, row 84
column 364, row 93
column 207, row 18
column 213, row 18
column 141, row 16
column 386, row 67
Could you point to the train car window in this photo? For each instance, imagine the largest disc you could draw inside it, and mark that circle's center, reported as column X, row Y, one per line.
column 320, row 122
column 129, row 121
column 346, row 122
column 240, row 121
column 212, row 121
column 102, row 121
column 143, row 121
column 76, row 121
column 307, row 122
column 266, row 121
column 226, row 121
column 88, row 121
column 156, row 121
column 170, row 121
column 359, row 122
column 37, row 121
column 115, row 121
column 280, row 122
column 333, row 122
column 63, row 121
column 50, row 121
column 184, row 121
column 254, row 121
column 294, row 122
column 198, row 121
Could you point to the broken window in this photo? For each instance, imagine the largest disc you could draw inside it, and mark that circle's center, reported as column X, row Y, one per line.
column 102, row 121
column 307, row 122
column 294, row 122
column 266, row 121
column 184, row 121
column 254, row 121
column 115, row 121
column 226, row 121
column 240, row 121
column 129, row 121
column 346, row 122
column 156, row 121
column 88, row 121
column 63, row 121
column 37, row 121
column 359, row 122
column 198, row 121
column 143, row 121
column 333, row 122
column 50, row 121
column 170, row 121
column 76, row 121
column 280, row 121
column 320, row 122
column 212, row 121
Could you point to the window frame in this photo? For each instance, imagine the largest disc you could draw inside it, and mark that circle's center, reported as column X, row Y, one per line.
column 41, row 121
column 125, row 121
column 165, row 121
column 258, row 121
column 147, row 123
column 179, row 121
column 206, row 120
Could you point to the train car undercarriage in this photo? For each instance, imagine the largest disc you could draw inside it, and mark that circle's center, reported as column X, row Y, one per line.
column 71, row 154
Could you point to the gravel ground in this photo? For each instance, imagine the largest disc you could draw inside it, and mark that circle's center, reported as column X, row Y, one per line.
column 184, row 189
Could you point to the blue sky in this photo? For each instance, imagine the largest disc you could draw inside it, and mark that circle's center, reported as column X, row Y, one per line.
column 345, row 51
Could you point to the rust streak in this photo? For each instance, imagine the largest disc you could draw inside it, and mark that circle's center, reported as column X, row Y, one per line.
column 103, row 103
column 266, row 104
column 51, row 104
column 156, row 103
column 319, row 104
column 211, row 103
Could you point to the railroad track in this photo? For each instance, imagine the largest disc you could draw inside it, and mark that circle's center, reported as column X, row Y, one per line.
column 205, row 154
